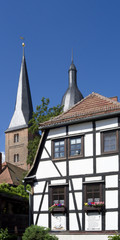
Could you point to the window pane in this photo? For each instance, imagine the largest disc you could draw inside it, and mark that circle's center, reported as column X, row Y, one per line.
column 58, row 195
column 62, row 154
column 55, row 202
column 75, row 146
column 78, row 140
column 59, row 149
column 56, row 143
column 93, row 193
column 56, row 155
column 56, row 149
column 72, row 141
column 61, row 142
column 61, row 190
column 96, row 199
column 90, row 200
column 62, row 149
column 110, row 142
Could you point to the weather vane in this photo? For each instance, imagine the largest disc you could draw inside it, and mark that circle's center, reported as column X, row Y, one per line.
column 23, row 44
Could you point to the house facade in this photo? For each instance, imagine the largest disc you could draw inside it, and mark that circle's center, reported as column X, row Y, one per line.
column 76, row 169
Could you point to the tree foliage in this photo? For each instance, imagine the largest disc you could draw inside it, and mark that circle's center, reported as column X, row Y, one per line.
column 19, row 190
column 43, row 113
column 38, row 233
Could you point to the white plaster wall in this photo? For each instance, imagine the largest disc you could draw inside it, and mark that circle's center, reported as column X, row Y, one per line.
column 78, row 197
column 111, row 181
column 111, row 199
column 39, row 186
column 44, row 154
column 73, row 222
column 57, row 132
column 89, row 179
column 71, row 203
column 58, row 222
column 34, row 218
column 43, row 220
column 77, row 183
column 84, row 166
column 93, row 221
column 107, row 164
column 45, row 203
column 111, row 221
column 88, row 140
column 98, row 144
column 80, row 128
column 82, row 237
column 37, row 201
column 107, row 123
column 62, row 167
column 46, row 169
column 48, row 147
column 62, row 181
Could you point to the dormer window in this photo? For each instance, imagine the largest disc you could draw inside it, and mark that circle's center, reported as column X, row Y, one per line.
column 16, row 138
column 110, row 141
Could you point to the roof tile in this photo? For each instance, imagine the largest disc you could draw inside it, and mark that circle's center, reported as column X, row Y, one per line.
column 92, row 105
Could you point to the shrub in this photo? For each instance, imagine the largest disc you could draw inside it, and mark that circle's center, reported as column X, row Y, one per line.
column 37, row 233
column 4, row 235
column 114, row 237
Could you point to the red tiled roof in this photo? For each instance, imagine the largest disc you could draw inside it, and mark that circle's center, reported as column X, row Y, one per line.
column 11, row 174
column 91, row 106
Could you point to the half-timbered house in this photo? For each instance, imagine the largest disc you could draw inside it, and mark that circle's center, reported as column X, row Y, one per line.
column 77, row 168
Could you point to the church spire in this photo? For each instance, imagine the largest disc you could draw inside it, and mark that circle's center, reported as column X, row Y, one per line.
column 23, row 107
column 72, row 95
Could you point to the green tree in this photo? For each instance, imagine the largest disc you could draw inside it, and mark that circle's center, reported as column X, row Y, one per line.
column 42, row 114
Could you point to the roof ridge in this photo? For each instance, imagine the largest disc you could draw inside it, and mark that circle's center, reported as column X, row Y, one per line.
column 107, row 98
column 105, row 108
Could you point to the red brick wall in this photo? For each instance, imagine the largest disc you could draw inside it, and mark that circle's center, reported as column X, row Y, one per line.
column 20, row 147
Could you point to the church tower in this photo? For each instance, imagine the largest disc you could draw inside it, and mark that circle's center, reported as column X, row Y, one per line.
column 17, row 136
column 72, row 95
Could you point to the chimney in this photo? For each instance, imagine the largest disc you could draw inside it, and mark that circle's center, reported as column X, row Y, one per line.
column 0, row 162
column 114, row 98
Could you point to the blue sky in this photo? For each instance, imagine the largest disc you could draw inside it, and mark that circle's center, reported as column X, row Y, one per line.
column 51, row 29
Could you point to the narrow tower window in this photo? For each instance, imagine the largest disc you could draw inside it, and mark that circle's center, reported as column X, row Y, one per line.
column 16, row 157
column 16, row 138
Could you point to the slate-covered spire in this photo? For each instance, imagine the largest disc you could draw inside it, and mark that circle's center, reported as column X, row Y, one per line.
column 23, row 107
column 72, row 95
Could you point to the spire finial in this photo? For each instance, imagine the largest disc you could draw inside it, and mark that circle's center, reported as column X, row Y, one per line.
column 72, row 55
column 23, row 44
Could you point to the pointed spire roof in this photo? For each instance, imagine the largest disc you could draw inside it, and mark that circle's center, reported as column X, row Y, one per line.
column 72, row 95
column 94, row 106
column 23, row 107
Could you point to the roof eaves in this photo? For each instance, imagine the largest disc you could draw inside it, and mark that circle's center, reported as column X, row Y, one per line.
column 84, row 119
